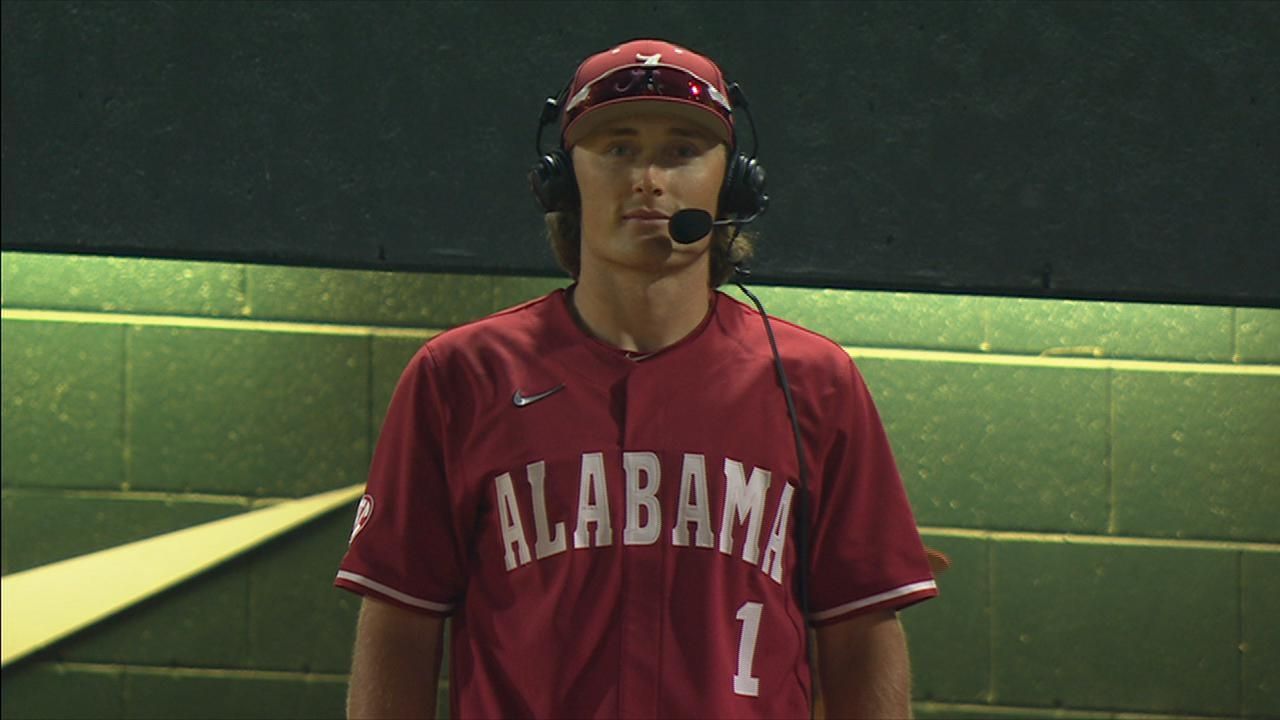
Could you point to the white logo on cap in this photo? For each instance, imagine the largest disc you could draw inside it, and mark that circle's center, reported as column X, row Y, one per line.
column 653, row 59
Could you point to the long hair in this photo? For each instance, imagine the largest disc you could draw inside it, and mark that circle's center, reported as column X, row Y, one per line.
column 564, row 231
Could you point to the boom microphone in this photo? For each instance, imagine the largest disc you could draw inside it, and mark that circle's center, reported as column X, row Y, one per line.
column 690, row 225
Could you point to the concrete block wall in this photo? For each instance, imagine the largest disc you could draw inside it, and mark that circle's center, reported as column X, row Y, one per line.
column 1104, row 475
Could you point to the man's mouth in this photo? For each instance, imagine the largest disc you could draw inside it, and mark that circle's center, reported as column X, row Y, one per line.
column 646, row 215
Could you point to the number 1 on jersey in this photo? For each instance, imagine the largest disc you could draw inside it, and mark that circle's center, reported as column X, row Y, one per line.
column 744, row 683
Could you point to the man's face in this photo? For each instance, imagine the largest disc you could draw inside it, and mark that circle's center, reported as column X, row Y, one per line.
column 633, row 175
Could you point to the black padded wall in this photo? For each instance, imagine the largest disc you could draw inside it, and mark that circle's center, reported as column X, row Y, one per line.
column 1091, row 150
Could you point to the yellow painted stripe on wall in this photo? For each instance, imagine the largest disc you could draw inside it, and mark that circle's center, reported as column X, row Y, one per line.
column 210, row 323
column 946, row 356
column 45, row 604
column 1058, row 361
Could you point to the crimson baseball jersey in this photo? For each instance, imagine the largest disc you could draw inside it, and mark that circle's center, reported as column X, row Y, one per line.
column 613, row 535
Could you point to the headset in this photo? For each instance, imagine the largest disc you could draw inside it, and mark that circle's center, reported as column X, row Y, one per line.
column 742, row 200
column 742, row 193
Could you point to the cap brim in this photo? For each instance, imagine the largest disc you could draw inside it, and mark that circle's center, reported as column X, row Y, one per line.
column 619, row 110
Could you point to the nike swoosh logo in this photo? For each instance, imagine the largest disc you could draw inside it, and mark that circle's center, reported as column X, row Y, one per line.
column 520, row 399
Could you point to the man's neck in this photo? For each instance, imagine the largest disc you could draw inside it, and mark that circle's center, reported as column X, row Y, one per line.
column 641, row 313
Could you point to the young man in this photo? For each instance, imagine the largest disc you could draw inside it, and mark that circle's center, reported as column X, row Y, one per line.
column 600, row 486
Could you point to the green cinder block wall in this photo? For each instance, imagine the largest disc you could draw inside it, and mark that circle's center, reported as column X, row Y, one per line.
column 1105, row 477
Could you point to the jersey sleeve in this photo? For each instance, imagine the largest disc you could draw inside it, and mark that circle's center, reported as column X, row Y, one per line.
column 866, row 553
column 405, row 546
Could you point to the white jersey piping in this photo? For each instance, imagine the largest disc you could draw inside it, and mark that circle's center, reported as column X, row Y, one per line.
column 392, row 592
column 877, row 598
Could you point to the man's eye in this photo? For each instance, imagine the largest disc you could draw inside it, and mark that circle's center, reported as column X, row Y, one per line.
column 618, row 150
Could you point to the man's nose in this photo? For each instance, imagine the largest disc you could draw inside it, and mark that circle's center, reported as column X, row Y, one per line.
column 650, row 179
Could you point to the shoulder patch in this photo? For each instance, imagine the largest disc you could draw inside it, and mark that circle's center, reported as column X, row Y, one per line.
column 364, row 511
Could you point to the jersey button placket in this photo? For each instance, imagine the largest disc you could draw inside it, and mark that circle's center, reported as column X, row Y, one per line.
column 642, row 608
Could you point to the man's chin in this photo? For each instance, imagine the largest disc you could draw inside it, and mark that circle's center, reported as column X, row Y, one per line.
column 660, row 238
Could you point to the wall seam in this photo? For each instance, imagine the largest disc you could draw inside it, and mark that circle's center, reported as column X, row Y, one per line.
column 253, row 559
column 991, row 621
column 1057, row 711
column 238, row 500
column 1067, row 538
column 139, row 669
column 126, row 407
column 302, row 327
column 246, row 304
column 1235, row 344
column 1109, row 455
column 246, row 310
column 126, row 687
column 1240, row 639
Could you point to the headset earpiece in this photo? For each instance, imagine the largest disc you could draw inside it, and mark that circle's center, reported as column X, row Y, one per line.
column 743, row 192
column 552, row 182
column 551, row 178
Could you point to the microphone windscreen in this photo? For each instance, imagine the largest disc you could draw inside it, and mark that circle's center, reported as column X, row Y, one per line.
column 689, row 225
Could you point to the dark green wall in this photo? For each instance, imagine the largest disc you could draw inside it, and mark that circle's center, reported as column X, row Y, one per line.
column 1104, row 475
column 1041, row 149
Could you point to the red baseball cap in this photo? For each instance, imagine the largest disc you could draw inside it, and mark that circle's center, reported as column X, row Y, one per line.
column 646, row 75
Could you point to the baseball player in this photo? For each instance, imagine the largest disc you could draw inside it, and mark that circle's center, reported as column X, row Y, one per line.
column 602, row 487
